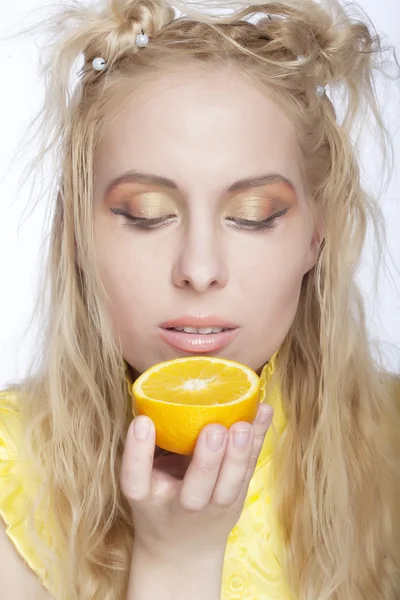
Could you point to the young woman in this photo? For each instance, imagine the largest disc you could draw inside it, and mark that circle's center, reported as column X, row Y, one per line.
column 205, row 180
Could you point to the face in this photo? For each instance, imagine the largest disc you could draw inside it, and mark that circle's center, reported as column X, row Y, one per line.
column 201, row 221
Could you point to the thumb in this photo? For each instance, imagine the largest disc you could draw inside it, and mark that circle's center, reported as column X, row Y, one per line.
column 137, row 459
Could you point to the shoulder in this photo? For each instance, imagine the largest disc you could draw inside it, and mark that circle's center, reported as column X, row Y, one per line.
column 13, row 488
column 23, row 573
column 18, row 578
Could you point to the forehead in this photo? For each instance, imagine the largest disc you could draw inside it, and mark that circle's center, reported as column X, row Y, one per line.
column 199, row 129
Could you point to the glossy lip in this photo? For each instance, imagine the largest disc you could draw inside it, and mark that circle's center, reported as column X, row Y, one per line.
column 192, row 321
column 197, row 342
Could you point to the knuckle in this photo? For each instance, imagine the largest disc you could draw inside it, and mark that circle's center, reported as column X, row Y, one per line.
column 237, row 460
column 205, row 465
column 138, row 463
column 224, row 501
column 193, row 504
column 133, row 494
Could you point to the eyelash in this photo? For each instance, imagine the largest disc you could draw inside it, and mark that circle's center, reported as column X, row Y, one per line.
column 269, row 223
column 146, row 224
column 142, row 223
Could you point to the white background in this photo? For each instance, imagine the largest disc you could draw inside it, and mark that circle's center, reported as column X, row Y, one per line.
column 21, row 233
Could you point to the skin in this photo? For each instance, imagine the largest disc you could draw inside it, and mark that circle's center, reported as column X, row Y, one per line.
column 182, row 526
column 200, row 133
column 204, row 133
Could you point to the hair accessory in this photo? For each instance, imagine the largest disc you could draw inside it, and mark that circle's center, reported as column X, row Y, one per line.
column 142, row 40
column 320, row 89
column 99, row 64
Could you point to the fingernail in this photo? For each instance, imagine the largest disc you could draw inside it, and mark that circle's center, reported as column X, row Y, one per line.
column 215, row 440
column 241, row 437
column 141, row 428
column 264, row 414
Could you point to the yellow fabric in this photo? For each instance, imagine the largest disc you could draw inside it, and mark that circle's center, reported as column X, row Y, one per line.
column 18, row 486
column 252, row 560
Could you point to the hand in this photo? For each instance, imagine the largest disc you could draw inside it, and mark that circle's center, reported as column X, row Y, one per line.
column 185, row 507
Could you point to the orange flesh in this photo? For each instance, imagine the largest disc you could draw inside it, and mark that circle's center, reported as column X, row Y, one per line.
column 202, row 382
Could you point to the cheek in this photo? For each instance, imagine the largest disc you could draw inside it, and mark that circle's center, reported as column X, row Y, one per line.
column 280, row 259
column 275, row 280
column 132, row 275
column 277, row 294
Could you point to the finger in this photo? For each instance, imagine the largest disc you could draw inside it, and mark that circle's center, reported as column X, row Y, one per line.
column 201, row 476
column 137, row 459
column 261, row 425
column 235, row 464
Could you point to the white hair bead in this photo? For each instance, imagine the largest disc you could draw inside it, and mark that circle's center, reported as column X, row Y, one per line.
column 142, row 40
column 99, row 64
column 320, row 89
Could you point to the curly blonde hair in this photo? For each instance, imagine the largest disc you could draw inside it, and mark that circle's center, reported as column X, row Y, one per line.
column 337, row 466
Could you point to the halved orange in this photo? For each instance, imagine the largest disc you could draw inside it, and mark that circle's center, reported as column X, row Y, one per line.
column 184, row 395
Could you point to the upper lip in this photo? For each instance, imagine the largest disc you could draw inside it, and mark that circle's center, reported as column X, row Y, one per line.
column 199, row 322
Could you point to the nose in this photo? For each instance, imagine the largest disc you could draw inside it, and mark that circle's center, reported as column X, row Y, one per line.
column 200, row 263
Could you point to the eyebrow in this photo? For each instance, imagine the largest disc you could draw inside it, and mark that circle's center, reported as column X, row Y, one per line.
column 238, row 185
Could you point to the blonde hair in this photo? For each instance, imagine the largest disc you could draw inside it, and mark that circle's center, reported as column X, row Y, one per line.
column 336, row 465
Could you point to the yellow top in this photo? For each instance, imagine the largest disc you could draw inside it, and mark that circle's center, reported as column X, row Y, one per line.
column 251, row 569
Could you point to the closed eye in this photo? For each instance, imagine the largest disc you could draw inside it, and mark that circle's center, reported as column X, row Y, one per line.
column 143, row 222
column 247, row 224
column 269, row 223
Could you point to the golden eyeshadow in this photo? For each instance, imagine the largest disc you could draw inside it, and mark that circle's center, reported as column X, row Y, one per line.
column 146, row 204
column 152, row 205
column 255, row 205
column 251, row 209
column 260, row 204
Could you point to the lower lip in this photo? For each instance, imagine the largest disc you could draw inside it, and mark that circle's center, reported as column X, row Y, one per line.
column 197, row 342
